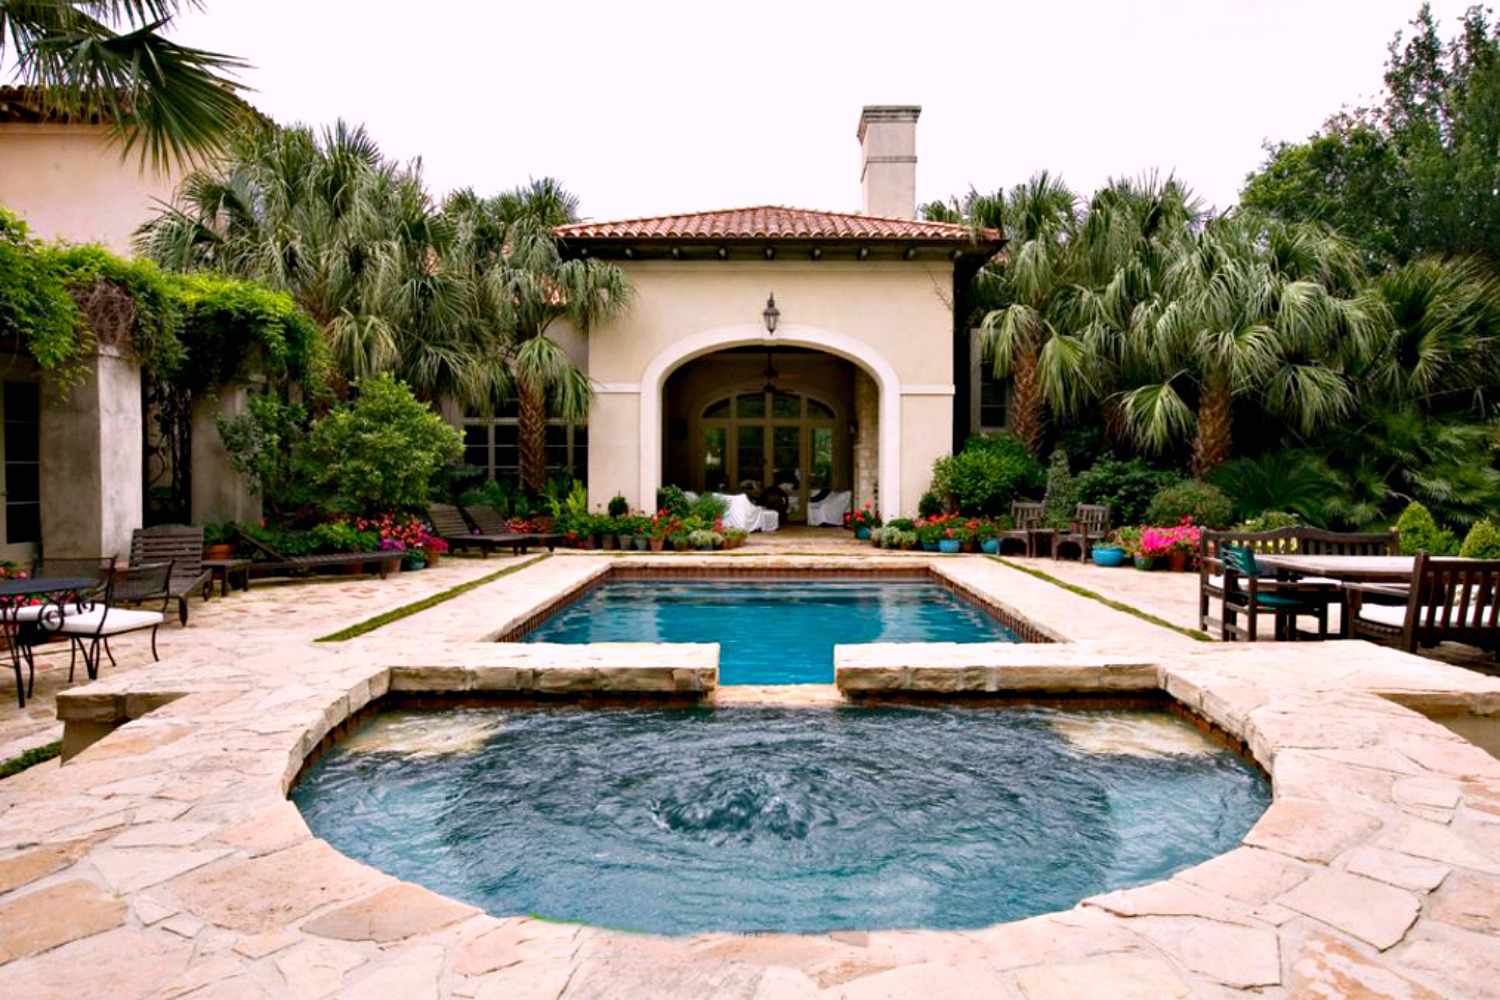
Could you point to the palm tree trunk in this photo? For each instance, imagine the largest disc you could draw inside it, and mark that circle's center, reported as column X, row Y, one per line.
column 532, row 432
column 1215, row 425
column 1026, row 420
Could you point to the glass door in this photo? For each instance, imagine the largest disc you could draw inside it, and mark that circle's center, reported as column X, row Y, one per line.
column 786, row 468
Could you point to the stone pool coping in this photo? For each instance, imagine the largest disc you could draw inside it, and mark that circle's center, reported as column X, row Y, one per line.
column 165, row 859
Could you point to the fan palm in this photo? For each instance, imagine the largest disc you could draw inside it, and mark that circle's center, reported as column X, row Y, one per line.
column 1249, row 308
column 111, row 59
column 523, row 286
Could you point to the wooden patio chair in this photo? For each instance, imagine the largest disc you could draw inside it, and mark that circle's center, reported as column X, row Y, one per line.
column 490, row 521
column 452, row 527
column 1090, row 525
column 1317, row 542
column 1249, row 591
column 1447, row 600
column 181, row 545
column 1024, row 515
column 1211, row 573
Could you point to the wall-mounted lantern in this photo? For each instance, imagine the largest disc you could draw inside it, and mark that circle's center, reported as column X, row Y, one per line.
column 771, row 314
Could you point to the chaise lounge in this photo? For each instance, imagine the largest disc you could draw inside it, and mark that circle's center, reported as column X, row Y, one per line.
column 490, row 522
column 181, row 545
column 273, row 563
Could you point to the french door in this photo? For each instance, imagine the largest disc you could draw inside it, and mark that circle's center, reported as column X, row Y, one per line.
column 755, row 440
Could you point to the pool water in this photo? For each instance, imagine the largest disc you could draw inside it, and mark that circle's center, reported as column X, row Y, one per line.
column 778, row 632
column 688, row 820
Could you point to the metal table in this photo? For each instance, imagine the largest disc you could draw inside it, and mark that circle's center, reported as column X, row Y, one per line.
column 17, row 594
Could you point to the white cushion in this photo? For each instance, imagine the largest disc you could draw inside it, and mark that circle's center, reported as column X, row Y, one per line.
column 32, row 612
column 116, row 620
column 829, row 510
column 1217, row 581
column 1394, row 616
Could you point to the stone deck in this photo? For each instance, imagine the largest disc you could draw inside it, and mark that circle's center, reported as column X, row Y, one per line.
column 164, row 860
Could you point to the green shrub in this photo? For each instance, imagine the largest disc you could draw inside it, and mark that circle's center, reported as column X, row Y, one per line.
column 929, row 505
column 1127, row 487
column 341, row 536
column 672, row 500
column 618, row 506
column 1482, row 541
column 1294, row 480
column 1419, row 532
column 265, row 445
column 987, row 475
column 708, row 508
column 1205, row 504
column 379, row 452
column 1061, row 496
column 1270, row 520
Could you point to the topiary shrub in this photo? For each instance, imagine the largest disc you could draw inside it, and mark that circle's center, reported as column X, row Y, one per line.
column 983, row 479
column 618, row 506
column 1061, row 496
column 1207, row 505
column 672, row 500
column 1127, row 487
column 1482, row 541
column 929, row 505
column 1418, row 531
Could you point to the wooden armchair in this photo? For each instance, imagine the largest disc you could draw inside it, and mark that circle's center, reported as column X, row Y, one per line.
column 1024, row 515
column 1317, row 542
column 1090, row 525
column 1247, row 590
column 1447, row 600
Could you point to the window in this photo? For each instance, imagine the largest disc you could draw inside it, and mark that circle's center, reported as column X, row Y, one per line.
column 988, row 395
column 494, row 445
column 23, row 471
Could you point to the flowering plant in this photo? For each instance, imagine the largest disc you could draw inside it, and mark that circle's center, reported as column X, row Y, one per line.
column 433, row 544
column 665, row 524
column 865, row 517
column 404, row 528
column 931, row 529
column 392, row 545
column 1161, row 541
column 527, row 526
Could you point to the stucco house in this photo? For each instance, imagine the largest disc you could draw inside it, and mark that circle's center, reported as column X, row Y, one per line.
column 810, row 351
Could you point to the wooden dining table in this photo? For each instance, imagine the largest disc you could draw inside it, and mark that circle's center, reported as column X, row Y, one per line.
column 1351, row 569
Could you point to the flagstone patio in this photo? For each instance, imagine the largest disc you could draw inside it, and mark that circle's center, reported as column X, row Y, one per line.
column 164, row 860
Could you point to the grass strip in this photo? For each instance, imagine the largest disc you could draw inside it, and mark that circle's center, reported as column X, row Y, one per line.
column 31, row 758
column 1191, row 633
column 432, row 600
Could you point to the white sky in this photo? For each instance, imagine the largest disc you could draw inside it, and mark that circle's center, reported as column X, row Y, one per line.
column 645, row 108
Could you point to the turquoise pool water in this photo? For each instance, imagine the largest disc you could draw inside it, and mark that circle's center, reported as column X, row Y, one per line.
column 686, row 820
column 777, row 632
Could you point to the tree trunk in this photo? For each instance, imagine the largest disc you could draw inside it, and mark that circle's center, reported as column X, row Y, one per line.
column 1026, row 420
column 532, row 432
column 1215, row 425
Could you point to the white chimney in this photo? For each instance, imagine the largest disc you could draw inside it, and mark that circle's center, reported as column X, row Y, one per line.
column 888, row 159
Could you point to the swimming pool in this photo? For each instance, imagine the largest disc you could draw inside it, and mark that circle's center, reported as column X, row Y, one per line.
column 772, row 632
column 686, row 820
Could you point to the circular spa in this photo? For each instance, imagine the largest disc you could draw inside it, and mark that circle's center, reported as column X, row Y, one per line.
column 680, row 820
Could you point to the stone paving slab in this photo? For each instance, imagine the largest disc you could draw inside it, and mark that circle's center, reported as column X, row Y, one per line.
column 164, row 859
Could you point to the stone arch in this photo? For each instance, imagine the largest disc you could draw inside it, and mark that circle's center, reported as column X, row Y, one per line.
column 654, row 381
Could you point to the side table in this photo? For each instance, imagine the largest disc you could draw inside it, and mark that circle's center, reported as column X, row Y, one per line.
column 225, row 571
column 1040, row 541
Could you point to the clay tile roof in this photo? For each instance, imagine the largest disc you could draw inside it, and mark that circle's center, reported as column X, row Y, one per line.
column 774, row 222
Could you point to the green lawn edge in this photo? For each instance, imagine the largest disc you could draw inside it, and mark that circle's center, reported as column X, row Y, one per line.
column 31, row 758
column 1144, row 616
column 431, row 600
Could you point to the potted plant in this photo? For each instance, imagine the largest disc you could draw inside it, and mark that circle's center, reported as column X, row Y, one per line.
column 219, row 538
column 1153, row 549
column 862, row 521
column 626, row 527
column 930, row 530
column 680, row 541
column 987, row 534
column 953, row 537
column 662, row 527
column 433, row 548
column 735, row 537
column 704, row 540
column 1111, row 552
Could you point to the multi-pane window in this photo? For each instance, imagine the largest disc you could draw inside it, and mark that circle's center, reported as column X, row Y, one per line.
column 494, row 444
column 988, row 395
column 23, row 471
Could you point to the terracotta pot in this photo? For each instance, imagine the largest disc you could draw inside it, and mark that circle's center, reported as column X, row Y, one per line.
column 657, row 544
column 609, row 543
column 432, row 557
column 1177, row 560
column 221, row 551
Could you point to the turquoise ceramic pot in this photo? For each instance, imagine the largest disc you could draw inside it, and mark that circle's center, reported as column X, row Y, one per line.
column 863, row 534
column 1109, row 555
column 1145, row 562
column 991, row 546
column 929, row 546
column 949, row 545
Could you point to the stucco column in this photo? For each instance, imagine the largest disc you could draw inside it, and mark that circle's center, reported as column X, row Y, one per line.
column 91, row 459
column 866, row 437
column 219, row 492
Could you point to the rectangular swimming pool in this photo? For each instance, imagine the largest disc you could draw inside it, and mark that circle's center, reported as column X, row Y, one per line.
column 772, row 632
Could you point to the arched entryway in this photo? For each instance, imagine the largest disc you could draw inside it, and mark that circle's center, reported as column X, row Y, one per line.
column 870, row 387
column 747, row 420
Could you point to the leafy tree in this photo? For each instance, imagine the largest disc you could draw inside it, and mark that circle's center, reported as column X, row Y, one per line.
column 1419, row 173
column 111, row 59
column 983, row 478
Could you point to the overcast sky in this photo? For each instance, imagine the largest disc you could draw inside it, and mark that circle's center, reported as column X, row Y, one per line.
column 645, row 108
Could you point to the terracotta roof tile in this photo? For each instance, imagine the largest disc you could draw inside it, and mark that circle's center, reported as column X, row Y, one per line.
column 773, row 222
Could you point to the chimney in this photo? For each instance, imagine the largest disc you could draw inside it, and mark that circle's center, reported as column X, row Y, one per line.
column 888, row 159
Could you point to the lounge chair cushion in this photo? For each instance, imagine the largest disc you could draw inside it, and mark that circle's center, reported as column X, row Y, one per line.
column 32, row 612
column 1394, row 616
column 116, row 621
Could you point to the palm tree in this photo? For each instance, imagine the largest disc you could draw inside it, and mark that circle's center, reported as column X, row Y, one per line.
column 1030, row 336
column 523, row 286
column 1265, row 310
column 110, row 59
column 354, row 238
